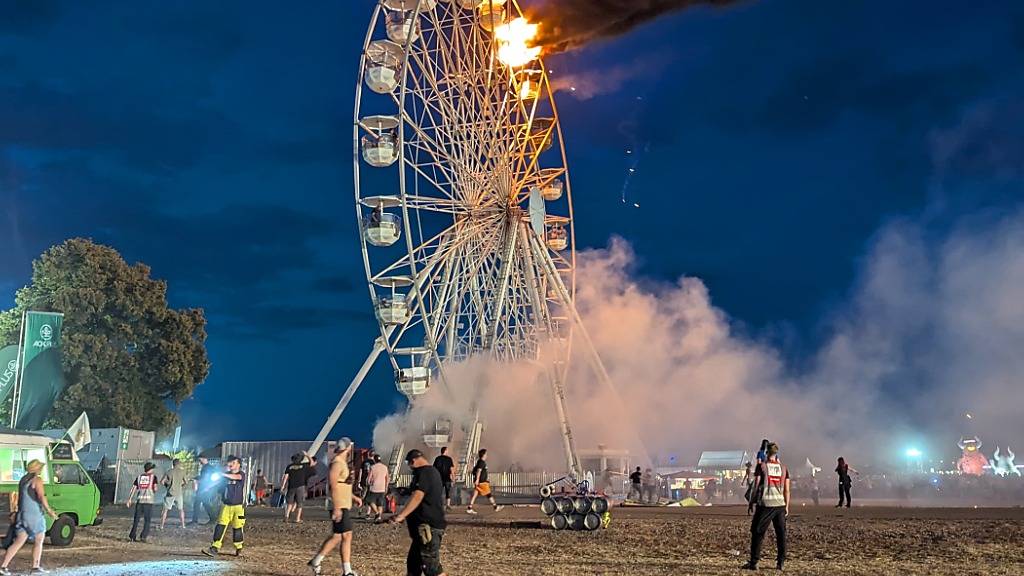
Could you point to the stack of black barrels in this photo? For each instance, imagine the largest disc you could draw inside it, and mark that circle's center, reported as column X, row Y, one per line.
column 569, row 512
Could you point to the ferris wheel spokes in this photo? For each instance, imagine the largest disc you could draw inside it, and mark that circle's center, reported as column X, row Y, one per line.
column 475, row 141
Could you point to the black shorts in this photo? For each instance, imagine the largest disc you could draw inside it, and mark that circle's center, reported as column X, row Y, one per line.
column 375, row 498
column 296, row 496
column 447, row 489
column 343, row 525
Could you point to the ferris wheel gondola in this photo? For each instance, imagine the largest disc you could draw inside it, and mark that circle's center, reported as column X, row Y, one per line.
column 464, row 201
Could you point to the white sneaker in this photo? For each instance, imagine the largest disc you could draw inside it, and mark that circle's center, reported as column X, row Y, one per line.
column 470, row 511
column 39, row 570
column 5, row 572
column 499, row 508
column 315, row 567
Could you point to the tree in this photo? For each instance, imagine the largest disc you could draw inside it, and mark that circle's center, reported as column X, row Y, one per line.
column 128, row 359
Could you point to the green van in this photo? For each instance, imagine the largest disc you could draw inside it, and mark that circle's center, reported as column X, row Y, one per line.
column 69, row 489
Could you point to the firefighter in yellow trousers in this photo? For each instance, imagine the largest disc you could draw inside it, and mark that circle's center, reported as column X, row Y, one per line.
column 232, row 513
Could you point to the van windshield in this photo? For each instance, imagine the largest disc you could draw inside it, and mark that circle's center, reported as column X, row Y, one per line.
column 66, row 474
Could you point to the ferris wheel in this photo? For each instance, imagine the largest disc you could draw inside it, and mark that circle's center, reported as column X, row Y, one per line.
column 462, row 196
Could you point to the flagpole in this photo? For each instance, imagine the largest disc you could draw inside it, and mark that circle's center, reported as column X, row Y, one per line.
column 21, row 371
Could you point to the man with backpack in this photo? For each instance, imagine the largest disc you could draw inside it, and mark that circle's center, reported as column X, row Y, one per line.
column 769, row 503
column 145, row 487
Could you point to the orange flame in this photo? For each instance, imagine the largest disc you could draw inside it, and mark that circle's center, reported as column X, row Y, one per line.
column 513, row 43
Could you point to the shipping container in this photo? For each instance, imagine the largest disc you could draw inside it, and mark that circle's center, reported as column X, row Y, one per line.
column 272, row 457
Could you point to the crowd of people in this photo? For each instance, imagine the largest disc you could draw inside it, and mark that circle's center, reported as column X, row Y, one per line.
column 427, row 500
column 220, row 494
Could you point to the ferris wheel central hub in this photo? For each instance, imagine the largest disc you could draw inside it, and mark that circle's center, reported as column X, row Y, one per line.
column 463, row 200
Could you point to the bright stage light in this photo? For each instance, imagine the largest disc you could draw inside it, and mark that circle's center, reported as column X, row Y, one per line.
column 913, row 453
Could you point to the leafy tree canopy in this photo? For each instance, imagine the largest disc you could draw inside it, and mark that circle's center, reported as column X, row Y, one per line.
column 129, row 360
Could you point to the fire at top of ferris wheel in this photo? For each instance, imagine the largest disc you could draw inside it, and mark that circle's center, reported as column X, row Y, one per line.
column 463, row 198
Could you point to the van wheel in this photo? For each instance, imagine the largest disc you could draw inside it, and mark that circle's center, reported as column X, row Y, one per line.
column 62, row 532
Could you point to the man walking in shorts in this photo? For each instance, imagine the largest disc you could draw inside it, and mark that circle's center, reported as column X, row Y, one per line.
column 232, row 513
column 293, row 485
column 174, row 481
column 377, row 488
column 481, row 486
column 446, row 468
column 260, row 487
column 342, row 499
column 425, row 515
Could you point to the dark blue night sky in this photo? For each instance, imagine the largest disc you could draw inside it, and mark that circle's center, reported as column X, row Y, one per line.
column 212, row 140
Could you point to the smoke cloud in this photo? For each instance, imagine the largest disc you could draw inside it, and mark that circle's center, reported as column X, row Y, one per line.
column 933, row 329
column 568, row 24
column 588, row 84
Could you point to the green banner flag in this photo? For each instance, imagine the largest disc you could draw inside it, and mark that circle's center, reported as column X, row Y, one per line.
column 8, row 370
column 42, row 378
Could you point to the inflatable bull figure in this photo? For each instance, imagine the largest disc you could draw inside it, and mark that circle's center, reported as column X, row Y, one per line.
column 1002, row 464
column 971, row 461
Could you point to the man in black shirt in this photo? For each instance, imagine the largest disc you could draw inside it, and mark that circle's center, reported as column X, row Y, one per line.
column 232, row 513
column 203, row 488
column 293, row 485
column 634, row 484
column 482, row 487
column 446, row 468
column 425, row 515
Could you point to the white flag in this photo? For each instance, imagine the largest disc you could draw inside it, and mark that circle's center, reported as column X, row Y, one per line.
column 80, row 433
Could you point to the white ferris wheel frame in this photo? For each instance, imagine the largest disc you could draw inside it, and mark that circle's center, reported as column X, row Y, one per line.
column 470, row 155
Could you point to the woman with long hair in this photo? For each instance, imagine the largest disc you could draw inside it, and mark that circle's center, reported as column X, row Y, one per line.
column 843, row 470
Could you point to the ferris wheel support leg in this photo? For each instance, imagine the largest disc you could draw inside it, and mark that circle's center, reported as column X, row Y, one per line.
column 568, row 443
column 590, row 350
column 378, row 347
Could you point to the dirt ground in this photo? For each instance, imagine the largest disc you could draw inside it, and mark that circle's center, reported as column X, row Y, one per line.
column 866, row 540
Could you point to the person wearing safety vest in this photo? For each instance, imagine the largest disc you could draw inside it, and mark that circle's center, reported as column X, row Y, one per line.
column 145, row 488
column 770, row 505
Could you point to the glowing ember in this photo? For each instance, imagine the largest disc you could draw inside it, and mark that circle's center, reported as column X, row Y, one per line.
column 513, row 43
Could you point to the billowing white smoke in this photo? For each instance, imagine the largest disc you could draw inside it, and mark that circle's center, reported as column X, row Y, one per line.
column 933, row 329
column 514, row 403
